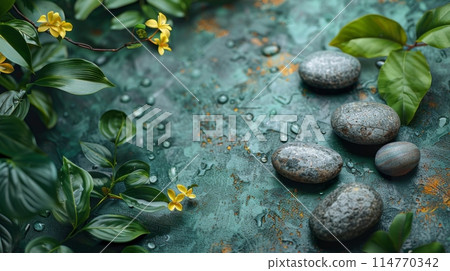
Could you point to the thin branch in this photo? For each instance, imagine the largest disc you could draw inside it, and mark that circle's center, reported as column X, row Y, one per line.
column 411, row 46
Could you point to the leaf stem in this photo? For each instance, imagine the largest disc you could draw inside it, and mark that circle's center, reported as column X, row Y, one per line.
column 411, row 46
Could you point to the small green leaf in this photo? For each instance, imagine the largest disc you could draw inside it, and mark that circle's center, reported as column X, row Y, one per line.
column 145, row 198
column 34, row 9
column 434, row 27
column 379, row 242
column 149, row 11
column 44, row 104
column 400, row 229
column 48, row 52
column 134, row 249
column 15, row 137
column 85, row 7
column 434, row 247
column 100, row 180
column 8, row 232
column 26, row 29
column 74, row 191
column 370, row 36
column 116, row 127
column 192, row 186
column 8, row 82
column 97, row 154
column 403, row 81
column 126, row 19
column 44, row 244
column 118, row 3
column 134, row 46
column 177, row 8
column 115, row 228
column 14, row 103
column 133, row 173
column 5, row 6
column 27, row 185
column 14, row 47
column 76, row 76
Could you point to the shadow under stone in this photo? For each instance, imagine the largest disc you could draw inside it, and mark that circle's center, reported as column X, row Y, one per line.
column 322, row 91
column 307, row 187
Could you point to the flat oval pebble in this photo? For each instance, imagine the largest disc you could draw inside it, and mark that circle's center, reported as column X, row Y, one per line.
column 365, row 123
column 347, row 212
column 330, row 70
column 397, row 158
column 307, row 163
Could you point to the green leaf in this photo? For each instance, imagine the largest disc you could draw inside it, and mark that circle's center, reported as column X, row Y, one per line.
column 8, row 82
column 134, row 46
column 434, row 27
column 34, row 9
column 149, row 11
column 403, row 81
column 44, row 244
column 5, row 6
column 48, row 52
column 15, row 137
column 8, row 232
column 133, row 173
column 379, row 242
column 113, row 125
column 74, row 191
column 370, row 36
column 400, row 229
column 145, row 198
column 177, row 8
column 26, row 29
column 76, row 76
column 97, row 154
column 14, row 46
column 134, row 249
column 100, row 180
column 44, row 104
column 434, row 247
column 27, row 185
column 115, row 228
column 14, row 103
column 84, row 7
column 126, row 19
column 118, row 3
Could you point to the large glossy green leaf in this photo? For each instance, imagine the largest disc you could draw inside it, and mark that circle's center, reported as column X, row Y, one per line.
column 15, row 137
column 27, row 185
column 133, row 173
column 74, row 192
column 8, row 232
column 101, row 181
column 34, row 9
column 14, row 103
column 127, row 19
column 403, row 81
column 44, row 244
column 97, row 154
column 27, row 30
column 44, row 104
column 8, row 82
column 434, row 247
column 48, row 52
column 118, row 3
column 134, row 249
column 14, row 46
column 177, row 8
column 113, row 125
column 434, row 27
column 84, row 7
column 5, row 6
column 115, row 228
column 145, row 198
column 76, row 76
column 370, row 36
column 400, row 229
column 379, row 242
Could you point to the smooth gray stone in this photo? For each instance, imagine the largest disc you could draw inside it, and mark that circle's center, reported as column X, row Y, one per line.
column 365, row 123
column 330, row 70
column 397, row 158
column 307, row 163
column 347, row 212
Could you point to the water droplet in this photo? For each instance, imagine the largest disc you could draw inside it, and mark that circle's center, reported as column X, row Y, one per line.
column 417, row 133
column 264, row 159
column 379, row 63
column 151, row 157
column 166, row 144
column 270, row 50
column 151, row 245
column 274, row 69
column 350, row 164
column 66, row 114
column 39, row 226
column 161, row 126
column 222, row 99
column 45, row 213
column 172, row 173
column 242, row 97
column 196, row 73
column 232, row 101
column 153, row 179
column 101, row 60
column 442, row 121
column 151, row 100
column 260, row 217
column 125, row 98
column 146, row 82
column 273, row 112
column 353, row 170
column 295, row 128
column 321, row 193
column 230, row 44
column 284, row 138
column 236, row 57
column 249, row 116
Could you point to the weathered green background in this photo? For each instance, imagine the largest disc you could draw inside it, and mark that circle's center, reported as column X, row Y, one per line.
column 240, row 207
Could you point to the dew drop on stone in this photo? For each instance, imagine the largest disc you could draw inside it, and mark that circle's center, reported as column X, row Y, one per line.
column 273, row 112
column 232, row 101
column 101, row 60
column 166, row 144
column 151, row 157
column 203, row 165
column 274, row 69
column 249, row 116
column 146, row 82
column 125, row 98
column 353, row 170
column 442, row 121
column 222, row 99
column 379, row 63
column 151, row 245
column 321, row 193
column 350, row 164
column 151, row 100
column 242, row 97
column 295, row 128
column 270, row 50
column 153, row 179
column 172, row 173
column 264, row 159
column 196, row 73
column 45, row 213
column 160, row 127
column 39, row 226
column 230, row 44
column 284, row 138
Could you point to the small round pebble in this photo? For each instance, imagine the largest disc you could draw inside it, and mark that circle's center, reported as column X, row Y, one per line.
column 330, row 70
column 307, row 163
column 397, row 158
column 347, row 212
column 365, row 123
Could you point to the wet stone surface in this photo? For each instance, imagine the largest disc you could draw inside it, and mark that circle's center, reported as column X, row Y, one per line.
column 365, row 123
column 348, row 212
column 330, row 70
column 397, row 158
column 307, row 163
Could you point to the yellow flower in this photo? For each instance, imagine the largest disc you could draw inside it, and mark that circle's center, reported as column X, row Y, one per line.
column 175, row 200
column 161, row 24
column 186, row 192
column 163, row 43
column 54, row 23
column 5, row 67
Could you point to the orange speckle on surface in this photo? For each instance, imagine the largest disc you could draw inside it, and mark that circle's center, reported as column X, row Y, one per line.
column 256, row 42
column 432, row 104
column 227, row 249
column 211, row 26
column 249, row 71
column 373, row 89
column 228, row 147
column 235, row 109
column 265, row 39
column 437, row 186
column 362, row 95
column 290, row 69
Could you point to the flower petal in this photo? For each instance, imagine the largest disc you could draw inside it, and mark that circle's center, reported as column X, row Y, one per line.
column 179, row 198
column 62, row 33
column 179, row 206
column 6, row 68
column 66, row 26
column 171, row 194
column 182, row 188
column 171, row 206
column 43, row 28
column 192, row 196
column 161, row 50
column 2, row 58
column 42, row 19
column 162, row 19
column 165, row 31
column 151, row 23
column 54, row 33
column 50, row 16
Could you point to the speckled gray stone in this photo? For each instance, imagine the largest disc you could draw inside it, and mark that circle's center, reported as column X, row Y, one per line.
column 307, row 163
column 365, row 123
column 330, row 70
column 347, row 212
column 397, row 158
